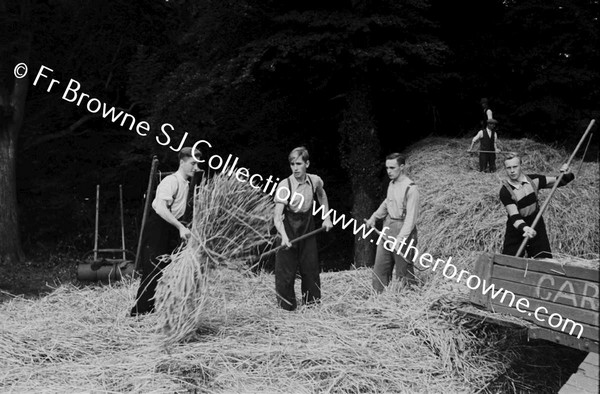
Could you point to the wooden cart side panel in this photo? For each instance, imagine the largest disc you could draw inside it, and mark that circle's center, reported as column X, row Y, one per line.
column 587, row 301
column 483, row 269
column 577, row 315
column 589, row 332
column 549, row 267
column 563, row 284
column 585, row 344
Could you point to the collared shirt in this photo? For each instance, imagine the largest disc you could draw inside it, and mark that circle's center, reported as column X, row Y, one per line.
column 300, row 196
column 519, row 183
column 524, row 192
column 394, row 203
column 174, row 190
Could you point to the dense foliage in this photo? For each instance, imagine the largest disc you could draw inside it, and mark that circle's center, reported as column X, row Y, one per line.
column 352, row 80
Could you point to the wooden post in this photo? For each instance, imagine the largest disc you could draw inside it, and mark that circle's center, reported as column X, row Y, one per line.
column 122, row 222
column 96, row 226
column 147, row 203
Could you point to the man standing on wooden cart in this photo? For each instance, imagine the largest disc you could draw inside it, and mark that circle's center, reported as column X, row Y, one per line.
column 519, row 195
column 164, row 228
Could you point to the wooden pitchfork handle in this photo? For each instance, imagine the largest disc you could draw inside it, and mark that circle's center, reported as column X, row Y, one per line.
column 257, row 259
column 491, row 151
column 545, row 205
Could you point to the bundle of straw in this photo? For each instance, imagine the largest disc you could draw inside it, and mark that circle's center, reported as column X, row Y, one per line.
column 231, row 220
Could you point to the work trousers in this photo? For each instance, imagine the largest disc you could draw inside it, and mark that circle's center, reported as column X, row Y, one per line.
column 302, row 256
column 159, row 238
column 385, row 260
column 537, row 247
column 487, row 160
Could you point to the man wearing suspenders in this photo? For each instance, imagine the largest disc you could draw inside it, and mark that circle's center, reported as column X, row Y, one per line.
column 519, row 197
column 294, row 218
column 400, row 211
column 164, row 228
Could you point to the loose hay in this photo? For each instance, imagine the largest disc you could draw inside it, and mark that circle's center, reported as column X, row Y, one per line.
column 231, row 219
column 355, row 341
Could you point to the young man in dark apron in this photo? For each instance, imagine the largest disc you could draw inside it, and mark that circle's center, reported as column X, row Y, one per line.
column 294, row 200
column 164, row 228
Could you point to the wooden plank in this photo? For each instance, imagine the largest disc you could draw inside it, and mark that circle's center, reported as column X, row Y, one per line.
column 568, row 389
column 584, row 344
column 483, row 269
column 591, row 371
column 548, row 267
column 547, row 281
column 588, row 303
column 584, row 382
column 588, row 331
column 567, row 312
column 591, row 359
column 491, row 318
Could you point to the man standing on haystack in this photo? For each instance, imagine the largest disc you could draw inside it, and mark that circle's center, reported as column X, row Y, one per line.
column 293, row 218
column 400, row 211
column 488, row 146
column 519, row 195
column 164, row 228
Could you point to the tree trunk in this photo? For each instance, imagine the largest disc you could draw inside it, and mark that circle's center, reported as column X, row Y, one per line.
column 12, row 109
column 360, row 155
column 10, row 246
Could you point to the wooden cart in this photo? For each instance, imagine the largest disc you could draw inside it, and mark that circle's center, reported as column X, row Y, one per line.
column 567, row 288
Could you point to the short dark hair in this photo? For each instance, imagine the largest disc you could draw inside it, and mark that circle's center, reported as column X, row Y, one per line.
column 186, row 152
column 400, row 158
column 299, row 151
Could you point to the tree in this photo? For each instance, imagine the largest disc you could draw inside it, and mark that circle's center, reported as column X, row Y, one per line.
column 347, row 52
column 55, row 133
column 14, row 23
column 551, row 58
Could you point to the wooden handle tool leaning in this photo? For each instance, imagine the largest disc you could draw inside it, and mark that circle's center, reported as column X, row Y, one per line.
column 254, row 262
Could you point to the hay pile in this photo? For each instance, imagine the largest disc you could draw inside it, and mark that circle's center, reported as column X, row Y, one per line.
column 461, row 212
column 82, row 340
column 231, row 220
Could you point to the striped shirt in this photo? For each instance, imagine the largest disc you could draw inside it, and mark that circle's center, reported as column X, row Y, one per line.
column 523, row 194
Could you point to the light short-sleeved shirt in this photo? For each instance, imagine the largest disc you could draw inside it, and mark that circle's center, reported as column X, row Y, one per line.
column 174, row 190
column 301, row 194
column 393, row 205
